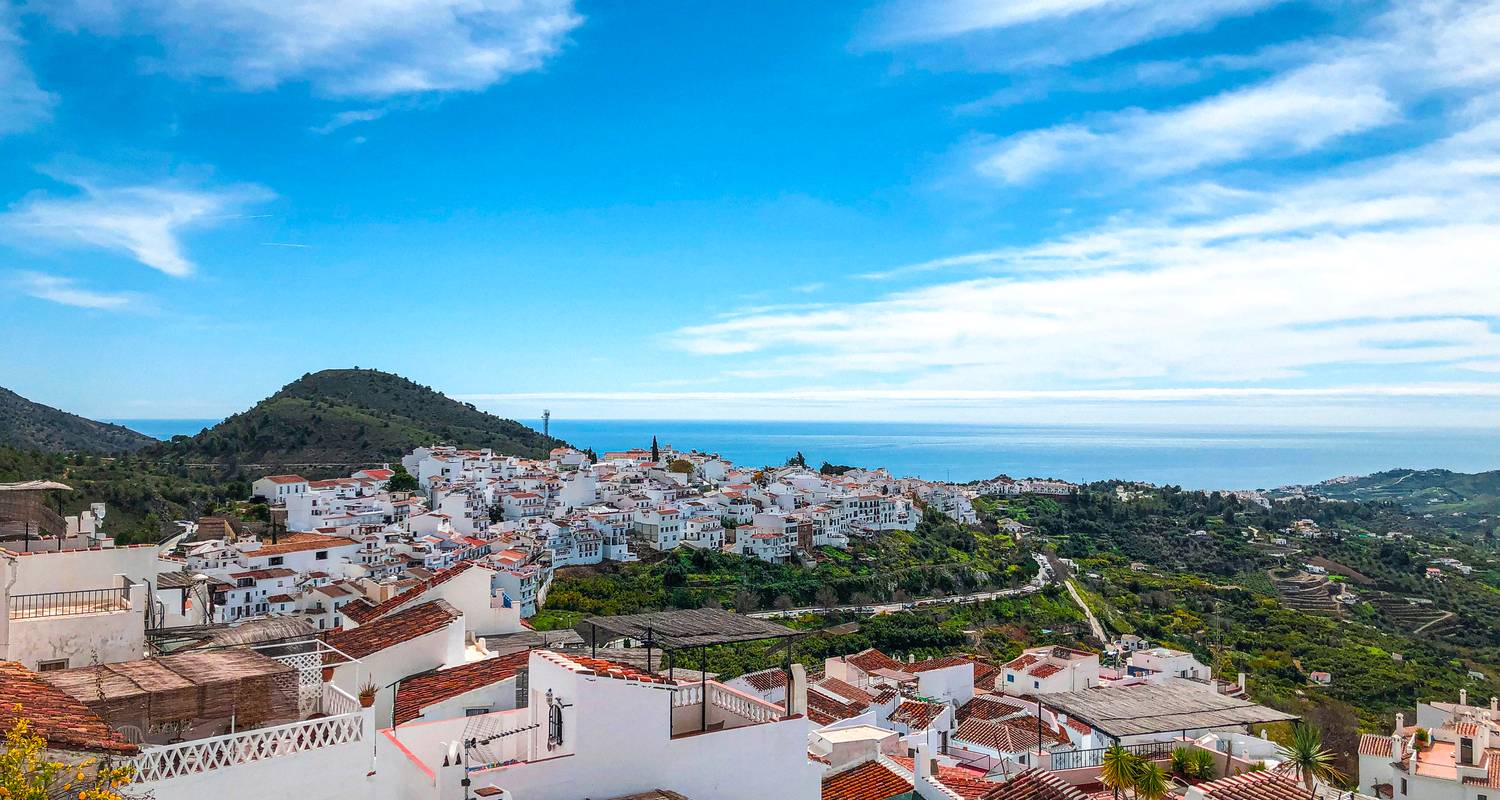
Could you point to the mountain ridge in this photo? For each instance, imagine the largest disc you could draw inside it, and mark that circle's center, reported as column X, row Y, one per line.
column 350, row 417
column 29, row 425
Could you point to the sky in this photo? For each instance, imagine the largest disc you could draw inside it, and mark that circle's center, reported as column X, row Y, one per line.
column 1217, row 211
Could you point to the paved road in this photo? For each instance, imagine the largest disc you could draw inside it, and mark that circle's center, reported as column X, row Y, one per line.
column 1043, row 577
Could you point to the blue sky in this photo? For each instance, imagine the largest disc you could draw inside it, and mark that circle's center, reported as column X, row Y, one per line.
column 1051, row 210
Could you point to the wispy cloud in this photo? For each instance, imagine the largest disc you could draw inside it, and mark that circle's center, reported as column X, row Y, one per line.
column 1226, row 283
column 67, row 292
column 1289, row 115
column 343, row 119
column 1046, row 32
column 342, row 48
column 23, row 104
column 144, row 221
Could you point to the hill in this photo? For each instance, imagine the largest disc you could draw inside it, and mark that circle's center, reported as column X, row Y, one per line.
column 27, row 425
column 339, row 418
column 1437, row 491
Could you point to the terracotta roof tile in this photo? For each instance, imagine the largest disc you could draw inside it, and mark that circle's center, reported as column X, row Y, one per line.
column 1254, row 786
column 989, row 707
column 871, row 780
column 1036, row 784
column 825, row 710
column 916, row 714
column 403, row 626
column 420, row 691
column 364, row 615
column 872, row 659
column 1375, row 744
column 299, row 542
column 967, row 782
column 766, row 680
column 64, row 721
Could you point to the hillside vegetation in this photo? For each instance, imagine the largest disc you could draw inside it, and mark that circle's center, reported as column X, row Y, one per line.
column 32, row 426
column 341, row 418
column 1435, row 491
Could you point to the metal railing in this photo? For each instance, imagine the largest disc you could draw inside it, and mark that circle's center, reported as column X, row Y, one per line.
column 62, row 604
column 1093, row 757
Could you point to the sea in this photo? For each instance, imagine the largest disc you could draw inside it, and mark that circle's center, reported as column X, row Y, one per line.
column 1188, row 456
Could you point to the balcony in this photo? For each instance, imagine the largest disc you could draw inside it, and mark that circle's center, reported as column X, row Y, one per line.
column 725, row 709
column 67, row 604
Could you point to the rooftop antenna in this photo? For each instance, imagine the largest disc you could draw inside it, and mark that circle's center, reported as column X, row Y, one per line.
column 546, row 421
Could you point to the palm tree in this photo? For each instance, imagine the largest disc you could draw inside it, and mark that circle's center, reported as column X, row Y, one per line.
column 1150, row 782
column 1118, row 768
column 1306, row 756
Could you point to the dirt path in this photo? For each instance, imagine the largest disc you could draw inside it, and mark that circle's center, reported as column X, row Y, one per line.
column 1093, row 622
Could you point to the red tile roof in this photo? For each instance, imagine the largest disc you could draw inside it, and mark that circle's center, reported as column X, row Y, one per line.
column 766, row 680
column 942, row 662
column 870, row 780
column 1375, row 744
column 967, row 782
column 1002, row 736
column 403, row 626
column 1036, row 784
column 844, row 690
column 1254, row 786
column 989, row 707
column 601, row 667
column 56, row 716
column 420, row 691
column 825, row 710
column 1045, row 670
column 364, row 615
column 872, row 659
column 299, row 542
column 916, row 714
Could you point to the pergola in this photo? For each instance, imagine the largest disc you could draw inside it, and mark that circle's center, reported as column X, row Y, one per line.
column 688, row 629
column 1176, row 704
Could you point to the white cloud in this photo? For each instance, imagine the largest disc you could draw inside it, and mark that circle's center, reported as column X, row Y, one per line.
column 1289, row 115
column 346, row 118
column 23, row 104
column 1042, row 32
column 1392, row 262
column 67, row 292
column 145, row 221
column 340, row 47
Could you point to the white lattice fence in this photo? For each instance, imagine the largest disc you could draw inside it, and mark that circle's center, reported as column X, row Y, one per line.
column 187, row 758
column 309, row 668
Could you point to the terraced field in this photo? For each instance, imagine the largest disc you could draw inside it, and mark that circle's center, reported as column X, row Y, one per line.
column 1303, row 591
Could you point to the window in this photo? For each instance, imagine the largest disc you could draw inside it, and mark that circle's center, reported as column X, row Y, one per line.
column 276, row 561
column 476, row 711
column 1010, row 679
column 1466, row 750
column 52, row 666
column 322, row 555
column 1403, row 786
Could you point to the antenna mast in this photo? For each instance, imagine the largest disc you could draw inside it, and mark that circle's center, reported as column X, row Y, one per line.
column 546, row 422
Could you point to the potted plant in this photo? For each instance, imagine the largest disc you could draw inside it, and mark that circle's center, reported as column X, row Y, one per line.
column 367, row 694
column 328, row 674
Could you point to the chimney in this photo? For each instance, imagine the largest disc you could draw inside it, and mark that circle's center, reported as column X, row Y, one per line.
column 1494, row 705
column 796, row 691
column 925, row 765
column 1463, row 697
column 1400, row 724
column 1242, row 681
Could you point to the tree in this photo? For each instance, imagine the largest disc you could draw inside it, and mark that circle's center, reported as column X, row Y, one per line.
column 1150, row 781
column 745, row 601
column 655, row 451
column 402, row 481
column 1117, row 769
column 27, row 774
column 1305, row 756
column 798, row 460
column 783, row 602
column 826, row 597
column 681, row 465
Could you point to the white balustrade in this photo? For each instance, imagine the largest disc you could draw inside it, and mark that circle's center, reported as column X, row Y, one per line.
column 219, row 752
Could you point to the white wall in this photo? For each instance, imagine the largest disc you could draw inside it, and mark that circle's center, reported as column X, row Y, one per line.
column 107, row 637
column 441, row 648
column 77, row 570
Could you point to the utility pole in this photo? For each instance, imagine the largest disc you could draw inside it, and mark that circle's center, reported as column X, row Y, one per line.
column 546, row 422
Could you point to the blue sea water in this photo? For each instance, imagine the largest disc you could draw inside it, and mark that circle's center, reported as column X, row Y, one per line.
column 1188, row 456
